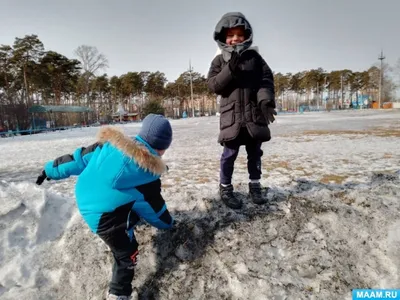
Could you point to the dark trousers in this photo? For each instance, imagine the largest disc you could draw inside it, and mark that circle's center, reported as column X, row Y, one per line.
column 125, row 254
column 231, row 151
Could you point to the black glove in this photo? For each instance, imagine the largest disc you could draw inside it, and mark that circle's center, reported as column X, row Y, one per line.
column 234, row 62
column 268, row 111
column 41, row 178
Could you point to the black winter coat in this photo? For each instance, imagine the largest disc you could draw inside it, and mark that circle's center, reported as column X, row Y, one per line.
column 241, row 95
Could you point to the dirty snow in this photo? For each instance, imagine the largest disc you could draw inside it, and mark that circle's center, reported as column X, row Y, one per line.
column 332, row 223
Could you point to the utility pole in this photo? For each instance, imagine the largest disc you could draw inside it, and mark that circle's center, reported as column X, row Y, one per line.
column 191, row 87
column 381, row 58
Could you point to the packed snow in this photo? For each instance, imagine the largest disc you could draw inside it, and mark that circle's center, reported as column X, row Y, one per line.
column 332, row 223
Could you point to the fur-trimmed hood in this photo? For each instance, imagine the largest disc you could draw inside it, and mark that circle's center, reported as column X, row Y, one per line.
column 134, row 149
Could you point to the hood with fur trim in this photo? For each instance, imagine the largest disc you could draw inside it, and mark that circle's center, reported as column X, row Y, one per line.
column 142, row 154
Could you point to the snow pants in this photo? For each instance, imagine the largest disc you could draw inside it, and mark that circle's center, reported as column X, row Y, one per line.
column 125, row 252
column 231, row 151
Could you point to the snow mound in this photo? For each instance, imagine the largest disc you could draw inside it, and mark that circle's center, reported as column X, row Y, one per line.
column 30, row 221
column 311, row 241
column 331, row 225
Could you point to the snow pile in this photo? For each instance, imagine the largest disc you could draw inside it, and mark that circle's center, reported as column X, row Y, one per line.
column 313, row 241
column 332, row 223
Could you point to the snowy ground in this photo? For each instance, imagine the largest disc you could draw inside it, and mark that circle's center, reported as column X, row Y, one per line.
column 332, row 224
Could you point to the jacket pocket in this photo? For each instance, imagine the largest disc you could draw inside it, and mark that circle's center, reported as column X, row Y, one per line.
column 227, row 115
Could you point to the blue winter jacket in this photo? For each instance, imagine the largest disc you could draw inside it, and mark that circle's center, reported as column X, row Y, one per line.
column 118, row 182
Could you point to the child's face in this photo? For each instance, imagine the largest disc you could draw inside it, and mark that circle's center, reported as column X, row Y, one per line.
column 235, row 36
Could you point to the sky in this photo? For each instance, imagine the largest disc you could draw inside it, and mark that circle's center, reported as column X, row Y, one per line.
column 153, row 35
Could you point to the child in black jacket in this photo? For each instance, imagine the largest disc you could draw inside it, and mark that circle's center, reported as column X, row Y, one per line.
column 246, row 85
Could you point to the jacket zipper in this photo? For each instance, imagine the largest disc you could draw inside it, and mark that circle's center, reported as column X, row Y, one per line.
column 242, row 106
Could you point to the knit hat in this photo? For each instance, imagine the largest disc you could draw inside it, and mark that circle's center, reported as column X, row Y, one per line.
column 156, row 131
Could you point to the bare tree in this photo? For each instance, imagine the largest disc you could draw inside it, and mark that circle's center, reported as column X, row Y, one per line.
column 92, row 62
column 396, row 72
column 388, row 81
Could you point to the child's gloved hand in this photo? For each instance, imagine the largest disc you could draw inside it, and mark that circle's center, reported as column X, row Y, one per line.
column 234, row 62
column 41, row 178
column 268, row 112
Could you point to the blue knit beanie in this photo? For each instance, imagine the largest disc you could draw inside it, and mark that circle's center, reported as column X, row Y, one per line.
column 156, row 131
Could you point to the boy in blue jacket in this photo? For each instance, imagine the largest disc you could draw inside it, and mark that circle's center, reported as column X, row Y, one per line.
column 118, row 183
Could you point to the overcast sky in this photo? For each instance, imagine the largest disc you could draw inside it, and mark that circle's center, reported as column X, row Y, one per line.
column 152, row 35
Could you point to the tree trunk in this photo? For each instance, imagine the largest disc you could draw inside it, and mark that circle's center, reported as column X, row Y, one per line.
column 26, row 87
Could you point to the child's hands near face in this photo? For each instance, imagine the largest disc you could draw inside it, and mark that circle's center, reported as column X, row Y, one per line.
column 234, row 62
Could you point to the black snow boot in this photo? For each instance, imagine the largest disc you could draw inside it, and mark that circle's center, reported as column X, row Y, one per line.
column 255, row 192
column 227, row 196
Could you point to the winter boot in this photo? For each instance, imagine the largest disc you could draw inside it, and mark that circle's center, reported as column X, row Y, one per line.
column 255, row 192
column 227, row 196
